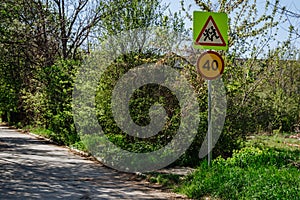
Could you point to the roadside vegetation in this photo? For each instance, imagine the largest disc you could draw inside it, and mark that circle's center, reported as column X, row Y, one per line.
column 43, row 44
column 266, row 168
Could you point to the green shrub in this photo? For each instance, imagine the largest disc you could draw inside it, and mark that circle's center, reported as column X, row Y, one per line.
column 250, row 173
column 58, row 80
column 147, row 96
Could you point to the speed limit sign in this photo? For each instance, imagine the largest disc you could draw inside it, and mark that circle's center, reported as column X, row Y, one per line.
column 210, row 65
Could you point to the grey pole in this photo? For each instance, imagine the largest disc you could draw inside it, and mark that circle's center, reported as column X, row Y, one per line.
column 209, row 141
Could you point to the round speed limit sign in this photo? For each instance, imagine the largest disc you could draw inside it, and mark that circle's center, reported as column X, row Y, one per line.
column 210, row 65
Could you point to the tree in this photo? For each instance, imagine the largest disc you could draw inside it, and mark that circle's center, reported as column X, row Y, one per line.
column 251, row 67
column 133, row 15
column 75, row 20
column 34, row 34
column 293, row 20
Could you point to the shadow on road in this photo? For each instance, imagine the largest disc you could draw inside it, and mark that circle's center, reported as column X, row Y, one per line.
column 35, row 169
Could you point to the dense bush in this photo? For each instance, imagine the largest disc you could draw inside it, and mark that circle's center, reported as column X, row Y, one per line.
column 48, row 101
column 139, row 105
column 59, row 80
column 147, row 96
column 249, row 109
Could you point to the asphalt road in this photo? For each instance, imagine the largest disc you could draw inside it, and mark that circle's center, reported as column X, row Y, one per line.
column 31, row 168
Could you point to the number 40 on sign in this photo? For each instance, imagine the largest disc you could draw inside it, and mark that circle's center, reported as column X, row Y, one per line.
column 210, row 65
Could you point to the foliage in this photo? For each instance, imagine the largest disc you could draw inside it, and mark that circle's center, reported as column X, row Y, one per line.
column 48, row 104
column 140, row 116
column 137, row 14
column 261, row 83
column 74, row 22
column 42, row 45
column 278, row 141
column 250, row 173
column 42, row 132
column 166, row 180
column 58, row 82
column 34, row 34
column 248, row 28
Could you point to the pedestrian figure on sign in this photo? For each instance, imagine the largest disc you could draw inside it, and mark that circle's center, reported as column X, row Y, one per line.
column 210, row 33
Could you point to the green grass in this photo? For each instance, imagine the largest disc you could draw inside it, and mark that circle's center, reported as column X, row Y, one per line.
column 41, row 131
column 277, row 141
column 265, row 169
column 53, row 136
column 166, row 180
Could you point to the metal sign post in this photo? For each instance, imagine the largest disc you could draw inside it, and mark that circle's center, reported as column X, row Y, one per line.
column 210, row 31
column 211, row 66
column 209, row 134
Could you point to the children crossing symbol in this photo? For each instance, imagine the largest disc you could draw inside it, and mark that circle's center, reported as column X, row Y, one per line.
column 210, row 34
column 210, row 30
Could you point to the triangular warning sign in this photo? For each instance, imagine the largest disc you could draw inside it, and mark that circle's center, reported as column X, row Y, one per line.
column 210, row 34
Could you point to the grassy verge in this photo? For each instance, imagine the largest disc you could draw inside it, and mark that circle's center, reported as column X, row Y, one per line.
column 53, row 136
column 267, row 168
column 168, row 181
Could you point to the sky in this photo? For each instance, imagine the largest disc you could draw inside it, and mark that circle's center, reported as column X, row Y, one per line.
column 292, row 5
